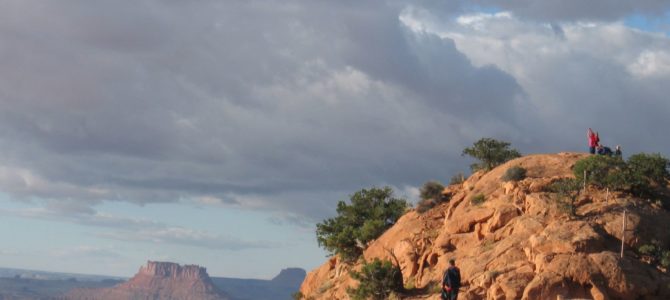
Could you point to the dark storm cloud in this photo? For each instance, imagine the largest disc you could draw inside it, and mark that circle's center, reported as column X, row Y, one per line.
column 554, row 10
column 264, row 104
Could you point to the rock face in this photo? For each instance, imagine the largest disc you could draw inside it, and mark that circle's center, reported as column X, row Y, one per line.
column 520, row 243
column 290, row 277
column 158, row 280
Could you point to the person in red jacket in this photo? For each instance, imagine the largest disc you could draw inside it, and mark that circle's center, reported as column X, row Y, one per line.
column 451, row 281
column 594, row 139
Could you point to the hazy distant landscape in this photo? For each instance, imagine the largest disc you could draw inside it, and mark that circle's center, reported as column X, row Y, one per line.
column 30, row 284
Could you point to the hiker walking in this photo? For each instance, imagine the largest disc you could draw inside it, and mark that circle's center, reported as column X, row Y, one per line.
column 594, row 139
column 451, row 281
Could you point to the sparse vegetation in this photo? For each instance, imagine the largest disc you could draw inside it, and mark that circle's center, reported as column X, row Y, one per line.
column 410, row 283
column 514, row 173
column 370, row 213
column 435, row 288
column 425, row 205
column 431, row 190
column 431, row 195
column 490, row 153
column 494, row 274
column 646, row 171
column 567, row 190
column 297, row 296
column 457, row 179
column 488, row 245
column 640, row 174
column 377, row 280
column 602, row 171
column 477, row 199
column 655, row 254
column 325, row 286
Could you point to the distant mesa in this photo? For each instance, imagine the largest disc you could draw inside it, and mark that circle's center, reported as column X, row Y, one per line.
column 290, row 277
column 158, row 280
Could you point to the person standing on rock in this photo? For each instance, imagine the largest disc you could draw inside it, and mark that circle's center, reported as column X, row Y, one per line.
column 451, row 281
column 594, row 139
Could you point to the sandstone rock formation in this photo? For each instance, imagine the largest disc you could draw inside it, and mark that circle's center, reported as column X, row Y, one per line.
column 158, row 280
column 519, row 243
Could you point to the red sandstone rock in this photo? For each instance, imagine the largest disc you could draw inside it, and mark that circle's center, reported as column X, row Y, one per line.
column 158, row 280
column 518, row 244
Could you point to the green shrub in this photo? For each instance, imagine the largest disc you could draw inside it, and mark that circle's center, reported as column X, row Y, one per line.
column 647, row 249
column 567, row 191
column 425, row 205
column 431, row 195
column 652, row 167
column 431, row 190
column 325, row 286
column 664, row 261
column 646, row 170
column 297, row 296
column 477, row 199
column 377, row 280
column 435, row 288
column 602, row 171
column 514, row 173
column 490, row 153
column 638, row 174
column 457, row 179
column 656, row 253
column 370, row 213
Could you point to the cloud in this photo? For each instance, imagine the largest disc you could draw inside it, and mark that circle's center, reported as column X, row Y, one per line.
column 188, row 237
column 601, row 10
column 86, row 251
column 83, row 215
column 603, row 75
column 8, row 252
column 247, row 102
column 553, row 10
column 290, row 106
column 135, row 229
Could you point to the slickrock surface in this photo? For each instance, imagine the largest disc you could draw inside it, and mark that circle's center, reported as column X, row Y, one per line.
column 518, row 244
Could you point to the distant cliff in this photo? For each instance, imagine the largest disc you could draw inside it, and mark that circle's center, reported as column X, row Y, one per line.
column 279, row 288
column 158, row 280
column 290, row 277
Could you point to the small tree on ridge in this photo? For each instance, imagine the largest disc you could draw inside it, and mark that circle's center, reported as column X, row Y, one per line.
column 490, row 153
column 370, row 213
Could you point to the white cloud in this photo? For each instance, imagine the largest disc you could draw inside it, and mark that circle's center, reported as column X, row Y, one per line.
column 188, row 237
column 595, row 74
column 651, row 63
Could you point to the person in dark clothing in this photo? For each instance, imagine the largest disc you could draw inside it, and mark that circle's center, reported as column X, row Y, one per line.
column 617, row 152
column 451, row 281
column 604, row 150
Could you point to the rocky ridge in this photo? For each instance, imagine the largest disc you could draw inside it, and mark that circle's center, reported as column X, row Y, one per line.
column 158, row 280
column 518, row 243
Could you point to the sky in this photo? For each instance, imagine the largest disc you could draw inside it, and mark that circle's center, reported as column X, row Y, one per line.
column 219, row 133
